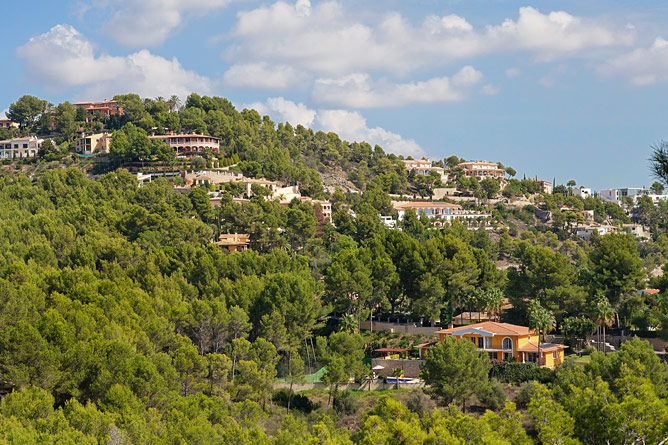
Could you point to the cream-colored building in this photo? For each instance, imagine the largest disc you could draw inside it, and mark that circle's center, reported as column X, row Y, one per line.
column 94, row 143
column 8, row 123
column 16, row 148
column 423, row 167
column 481, row 169
column 190, row 144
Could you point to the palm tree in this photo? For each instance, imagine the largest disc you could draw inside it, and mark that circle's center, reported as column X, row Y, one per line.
column 604, row 313
column 541, row 319
column 173, row 103
column 347, row 323
column 493, row 302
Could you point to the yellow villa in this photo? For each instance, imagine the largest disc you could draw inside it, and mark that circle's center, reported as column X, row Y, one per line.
column 503, row 341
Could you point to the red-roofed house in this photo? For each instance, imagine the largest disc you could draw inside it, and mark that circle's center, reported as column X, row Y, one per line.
column 504, row 341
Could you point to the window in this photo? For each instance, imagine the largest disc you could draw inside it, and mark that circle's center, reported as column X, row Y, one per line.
column 507, row 343
column 532, row 357
column 508, row 356
column 25, row 145
column 488, row 342
column 480, row 342
column 554, row 354
column 492, row 356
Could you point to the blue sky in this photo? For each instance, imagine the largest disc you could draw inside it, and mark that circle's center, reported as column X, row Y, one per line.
column 565, row 90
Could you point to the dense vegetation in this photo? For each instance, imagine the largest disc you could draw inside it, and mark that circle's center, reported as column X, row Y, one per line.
column 121, row 321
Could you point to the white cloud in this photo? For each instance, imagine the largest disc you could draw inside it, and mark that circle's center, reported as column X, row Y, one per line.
column 643, row 66
column 352, row 126
column 138, row 23
column 490, row 90
column 285, row 110
column 513, row 72
column 349, row 125
column 262, row 75
column 3, row 113
column 63, row 58
column 333, row 42
column 557, row 33
column 358, row 90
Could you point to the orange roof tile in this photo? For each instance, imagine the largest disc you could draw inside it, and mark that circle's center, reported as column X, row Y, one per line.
column 491, row 326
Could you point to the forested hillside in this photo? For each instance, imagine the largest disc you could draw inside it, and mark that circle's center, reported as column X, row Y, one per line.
column 121, row 321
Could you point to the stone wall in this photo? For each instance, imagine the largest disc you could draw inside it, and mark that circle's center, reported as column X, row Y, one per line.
column 376, row 385
column 411, row 368
column 399, row 328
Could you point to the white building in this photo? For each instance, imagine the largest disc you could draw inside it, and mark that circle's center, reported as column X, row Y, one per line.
column 616, row 195
column 26, row 147
column 436, row 210
column 389, row 221
column 586, row 232
column 582, row 192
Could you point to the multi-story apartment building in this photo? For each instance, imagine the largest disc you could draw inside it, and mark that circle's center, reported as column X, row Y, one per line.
column 8, row 123
column 190, row 144
column 617, row 195
column 106, row 108
column 423, row 167
column 481, row 169
column 95, row 143
column 25, row 147
column 546, row 186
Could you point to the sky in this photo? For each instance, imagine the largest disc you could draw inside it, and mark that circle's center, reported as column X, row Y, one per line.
column 569, row 89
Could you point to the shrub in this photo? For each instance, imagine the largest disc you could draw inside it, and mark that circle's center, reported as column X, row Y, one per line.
column 524, row 395
column 492, row 395
column 299, row 402
column 417, row 403
column 519, row 372
column 345, row 403
column 589, row 350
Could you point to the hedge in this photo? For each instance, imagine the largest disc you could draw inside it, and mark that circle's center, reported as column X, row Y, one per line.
column 519, row 372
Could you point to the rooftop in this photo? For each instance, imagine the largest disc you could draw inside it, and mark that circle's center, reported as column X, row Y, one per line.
column 544, row 347
column 490, row 327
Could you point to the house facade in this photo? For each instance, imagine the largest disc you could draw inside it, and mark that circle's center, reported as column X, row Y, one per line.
column 443, row 211
column 546, row 186
column 423, row 167
column 26, row 147
column 504, row 341
column 481, row 169
column 8, row 123
column 106, row 108
column 190, row 144
column 95, row 143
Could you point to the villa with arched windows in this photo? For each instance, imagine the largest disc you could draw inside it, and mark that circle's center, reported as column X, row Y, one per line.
column 509, row 342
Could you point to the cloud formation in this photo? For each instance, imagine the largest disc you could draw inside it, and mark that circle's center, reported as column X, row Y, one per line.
column 352, row 126
column 63, row 58
column 358, row 90
column 349, row 125
column 643, row 66
column 141, row 23
column 326, row 40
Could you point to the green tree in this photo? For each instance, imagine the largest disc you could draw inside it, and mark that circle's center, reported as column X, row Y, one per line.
column 455, row 370
column 27, row 110
column 541, row 320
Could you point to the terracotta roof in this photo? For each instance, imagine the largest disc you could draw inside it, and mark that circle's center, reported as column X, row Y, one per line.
column 651, row 291
column 425, row 345
column 491, row 326
column 546, row 347
column 422, row 204
column 391, row 350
